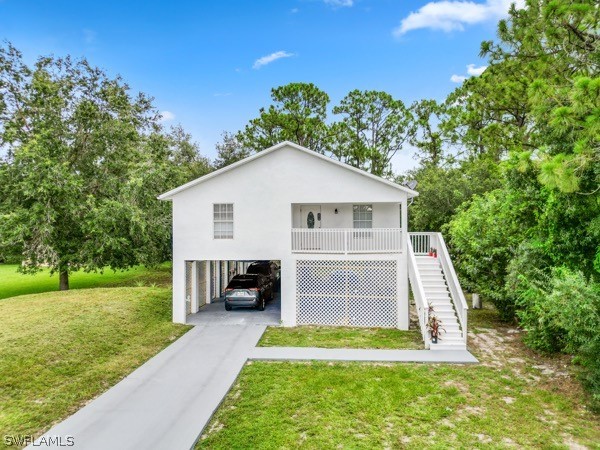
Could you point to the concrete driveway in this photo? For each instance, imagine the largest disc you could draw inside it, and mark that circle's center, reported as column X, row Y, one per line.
column 166, row 402
column 214, row 314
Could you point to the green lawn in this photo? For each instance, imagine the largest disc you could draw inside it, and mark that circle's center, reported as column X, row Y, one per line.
column 514, row 398
column 59, row 350
column 341, row 337
column 13, row 283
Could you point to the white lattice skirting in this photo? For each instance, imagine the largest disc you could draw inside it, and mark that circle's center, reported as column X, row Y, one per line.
column 350, row 293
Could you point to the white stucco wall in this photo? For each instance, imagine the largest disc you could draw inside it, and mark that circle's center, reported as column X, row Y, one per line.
column 264, row 193
column 385, row 215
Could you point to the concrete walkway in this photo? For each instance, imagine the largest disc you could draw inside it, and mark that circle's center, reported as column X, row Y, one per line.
column 166, row 402
column 346, row 354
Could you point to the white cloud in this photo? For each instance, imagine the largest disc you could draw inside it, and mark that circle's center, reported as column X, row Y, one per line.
column 222, row 94
column 471, row 71
column 294, row 10
column 166, row 116
column 268, row 59
column 475, row 71
column 339, row 3
column 457, row 78
column 454, row 15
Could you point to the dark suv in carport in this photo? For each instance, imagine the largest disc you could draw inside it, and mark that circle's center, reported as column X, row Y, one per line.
column 266, row 268
column 249, row 290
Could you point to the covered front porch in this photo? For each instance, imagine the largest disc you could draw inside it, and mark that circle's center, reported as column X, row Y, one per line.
column 348, row 228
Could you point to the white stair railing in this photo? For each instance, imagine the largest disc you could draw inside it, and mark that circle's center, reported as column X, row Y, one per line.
column 426, row 241
column 418, row 291
column 456, row 293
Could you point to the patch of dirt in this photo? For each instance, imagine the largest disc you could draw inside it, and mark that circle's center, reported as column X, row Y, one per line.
column 470, row 411
column 215, row 427
column 462, row 388
column 570, row 442
column 503, row 348
column 484, row 438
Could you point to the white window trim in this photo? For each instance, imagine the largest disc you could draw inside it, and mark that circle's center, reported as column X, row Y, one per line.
column 223, row 221
column 359, row 220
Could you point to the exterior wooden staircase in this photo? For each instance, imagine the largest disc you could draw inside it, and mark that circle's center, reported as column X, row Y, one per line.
column 438, row 297
column 437, row 292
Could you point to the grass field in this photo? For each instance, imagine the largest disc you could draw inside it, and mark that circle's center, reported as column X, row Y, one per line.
column 512, row 399
column 13, row 283
column 58, row 350
column 341, row 337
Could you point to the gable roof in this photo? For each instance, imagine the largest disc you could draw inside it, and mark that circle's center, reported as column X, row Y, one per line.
column 169, row 195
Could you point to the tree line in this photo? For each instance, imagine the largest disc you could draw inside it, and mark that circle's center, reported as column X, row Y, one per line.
column 508, row 168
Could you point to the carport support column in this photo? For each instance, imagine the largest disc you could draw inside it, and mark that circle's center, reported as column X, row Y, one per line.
column 207, row 272
column 288, row 292
column 194, row 305
column 218, row 278
column 403, row 306
column 179, row 309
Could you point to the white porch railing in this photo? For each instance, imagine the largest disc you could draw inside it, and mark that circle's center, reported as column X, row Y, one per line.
column 418, row 291
column 422, row 243
column 346, row 240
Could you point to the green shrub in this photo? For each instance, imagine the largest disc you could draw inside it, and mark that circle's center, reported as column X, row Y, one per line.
column 483, row 236
column 561, row 312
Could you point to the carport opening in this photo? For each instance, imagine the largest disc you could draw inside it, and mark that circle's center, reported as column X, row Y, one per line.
column 206, row 284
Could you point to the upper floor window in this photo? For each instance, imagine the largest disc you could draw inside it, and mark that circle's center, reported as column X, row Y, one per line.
column 223, row 220
column 362, row 216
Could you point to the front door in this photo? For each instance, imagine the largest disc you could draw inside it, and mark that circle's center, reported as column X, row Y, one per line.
column 310, row 216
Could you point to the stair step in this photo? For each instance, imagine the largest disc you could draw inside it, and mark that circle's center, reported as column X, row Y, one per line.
column 454, row 333
column 441, row 302
column 445, row 316
column 449, row 323
column 458, row 340
column 440, row 308
column 431, row 292
column 446, row 340
column 446, row 301
column 434, row 285
column 429, row 264
column 440, row 346
column 428, row 275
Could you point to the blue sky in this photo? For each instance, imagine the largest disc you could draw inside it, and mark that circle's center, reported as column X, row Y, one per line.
column 200, row 60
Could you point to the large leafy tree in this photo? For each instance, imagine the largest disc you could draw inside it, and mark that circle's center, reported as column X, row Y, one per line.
column 297, row 114
column 533, row 245
column 427, row 136
column 229, row 150
column 444, row 188
column 83, row 162
column 374, row 127
column 489, row 114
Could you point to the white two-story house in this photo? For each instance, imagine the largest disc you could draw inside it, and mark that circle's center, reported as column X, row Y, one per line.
column 339, row 233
